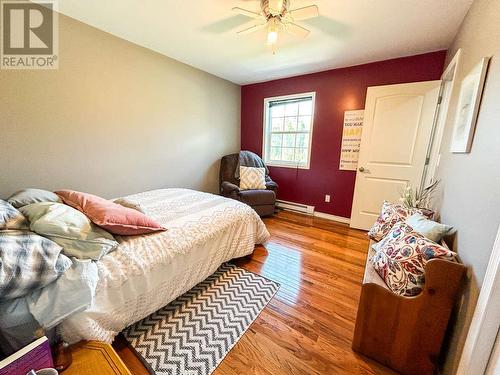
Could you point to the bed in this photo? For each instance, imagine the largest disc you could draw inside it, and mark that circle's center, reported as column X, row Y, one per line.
column 146, row 272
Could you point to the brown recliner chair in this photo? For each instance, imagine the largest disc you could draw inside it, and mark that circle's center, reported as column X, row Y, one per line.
column 262, row 201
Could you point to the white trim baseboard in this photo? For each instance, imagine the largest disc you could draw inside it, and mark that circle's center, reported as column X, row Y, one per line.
column 340, row 219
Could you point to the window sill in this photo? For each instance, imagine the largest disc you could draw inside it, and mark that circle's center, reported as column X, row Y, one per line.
column 293, row 166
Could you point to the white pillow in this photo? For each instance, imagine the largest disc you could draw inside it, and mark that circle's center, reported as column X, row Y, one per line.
column 252, row 178
column 129, row 204
column 70, row 229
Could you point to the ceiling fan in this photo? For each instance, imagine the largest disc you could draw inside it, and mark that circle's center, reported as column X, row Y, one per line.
column 276, row 16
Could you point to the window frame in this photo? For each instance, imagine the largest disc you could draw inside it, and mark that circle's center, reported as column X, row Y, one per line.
column 266, row 136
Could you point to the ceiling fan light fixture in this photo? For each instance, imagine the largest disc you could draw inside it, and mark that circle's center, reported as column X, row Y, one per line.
column 276, row 16
column 272, row 31
column 275, row 7
column 272, row 37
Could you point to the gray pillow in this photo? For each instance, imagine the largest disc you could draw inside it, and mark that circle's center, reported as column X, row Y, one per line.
column 70, row 229
column 28, row 262
column 29, row 196
column 430, row 229
column 11, row 218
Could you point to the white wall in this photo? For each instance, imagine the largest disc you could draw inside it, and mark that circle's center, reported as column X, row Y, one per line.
column 115, row 119
column 471, row 182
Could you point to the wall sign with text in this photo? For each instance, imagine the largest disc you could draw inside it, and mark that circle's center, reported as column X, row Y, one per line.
column 351, row 140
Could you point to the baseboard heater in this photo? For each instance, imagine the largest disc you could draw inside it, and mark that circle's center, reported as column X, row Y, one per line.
column 297, row 207
column 309, row 210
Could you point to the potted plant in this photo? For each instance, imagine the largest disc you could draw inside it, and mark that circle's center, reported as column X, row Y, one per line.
column 419, row 197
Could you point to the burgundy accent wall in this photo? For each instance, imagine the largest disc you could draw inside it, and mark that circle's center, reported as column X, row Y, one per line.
column 337, row 90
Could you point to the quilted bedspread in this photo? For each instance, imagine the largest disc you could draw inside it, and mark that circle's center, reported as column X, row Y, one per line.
column 146, row 272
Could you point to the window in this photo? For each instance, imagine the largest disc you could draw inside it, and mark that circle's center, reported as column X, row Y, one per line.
column 288, row 124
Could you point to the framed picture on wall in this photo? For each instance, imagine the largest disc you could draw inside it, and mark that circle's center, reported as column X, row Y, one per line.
column 471, row 90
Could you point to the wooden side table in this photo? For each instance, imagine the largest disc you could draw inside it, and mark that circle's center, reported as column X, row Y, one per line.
column 93, row 357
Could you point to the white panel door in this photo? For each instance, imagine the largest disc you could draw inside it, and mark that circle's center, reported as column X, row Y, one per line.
column 396, row 134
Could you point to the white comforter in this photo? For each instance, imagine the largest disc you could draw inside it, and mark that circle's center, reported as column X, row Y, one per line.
column 146, row 272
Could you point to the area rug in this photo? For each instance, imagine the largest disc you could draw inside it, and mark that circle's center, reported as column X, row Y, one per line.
column 193, row 334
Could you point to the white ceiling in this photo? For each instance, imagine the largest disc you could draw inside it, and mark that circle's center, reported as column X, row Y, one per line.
column 201, row 33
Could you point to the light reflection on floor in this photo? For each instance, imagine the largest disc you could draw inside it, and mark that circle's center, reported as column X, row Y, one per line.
column 283, row 265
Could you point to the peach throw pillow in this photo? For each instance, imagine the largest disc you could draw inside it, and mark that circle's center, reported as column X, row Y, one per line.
column 113, row 217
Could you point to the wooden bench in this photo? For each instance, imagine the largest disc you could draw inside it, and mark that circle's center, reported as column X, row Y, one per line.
column 406, row 333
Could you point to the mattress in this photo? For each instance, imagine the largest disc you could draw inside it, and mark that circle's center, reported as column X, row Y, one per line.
column 147, row 272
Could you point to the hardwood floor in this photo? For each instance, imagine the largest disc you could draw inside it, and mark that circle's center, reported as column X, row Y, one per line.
column 307, row 327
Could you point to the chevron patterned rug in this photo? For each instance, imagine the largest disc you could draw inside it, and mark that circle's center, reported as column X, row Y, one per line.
column 193, row 334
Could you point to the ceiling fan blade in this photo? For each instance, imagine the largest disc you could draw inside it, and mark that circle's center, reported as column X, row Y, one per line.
column 246, row 12
column 305, row 13
column 252, row 28
column 297, row 30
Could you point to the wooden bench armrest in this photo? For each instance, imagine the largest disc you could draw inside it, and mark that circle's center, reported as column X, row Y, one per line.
column 406, row 333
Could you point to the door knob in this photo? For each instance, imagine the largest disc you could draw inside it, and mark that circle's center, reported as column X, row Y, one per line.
column 361, row 169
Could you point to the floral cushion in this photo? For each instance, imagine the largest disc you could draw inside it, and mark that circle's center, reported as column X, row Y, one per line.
column 391, row 214
column 401, row 258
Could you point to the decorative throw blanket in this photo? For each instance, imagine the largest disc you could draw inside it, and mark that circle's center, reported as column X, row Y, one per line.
column 249, row 159
column 28, row 262
column 22, row 318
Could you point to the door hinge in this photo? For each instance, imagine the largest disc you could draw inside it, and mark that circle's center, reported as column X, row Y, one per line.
column 440, row 99
column 427, row 160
